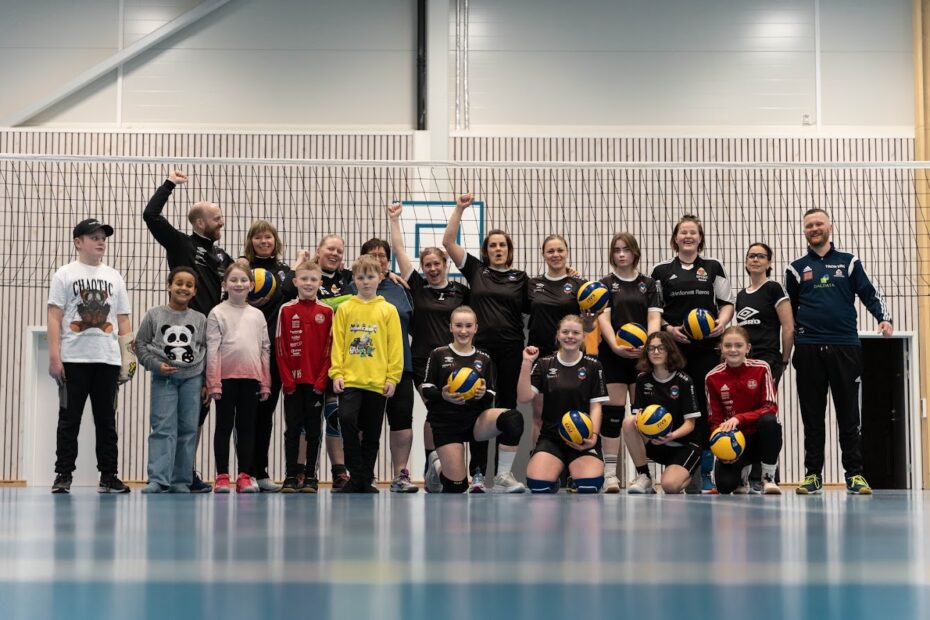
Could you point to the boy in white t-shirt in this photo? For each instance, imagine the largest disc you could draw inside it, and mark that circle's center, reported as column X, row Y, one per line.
column 89, row 352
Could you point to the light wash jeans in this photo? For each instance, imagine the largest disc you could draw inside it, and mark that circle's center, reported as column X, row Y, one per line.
column 175, row 412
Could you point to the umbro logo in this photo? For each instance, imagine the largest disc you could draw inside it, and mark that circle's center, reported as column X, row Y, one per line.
column 746, row 314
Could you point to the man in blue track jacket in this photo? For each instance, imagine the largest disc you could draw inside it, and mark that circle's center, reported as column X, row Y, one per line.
column 822, row 286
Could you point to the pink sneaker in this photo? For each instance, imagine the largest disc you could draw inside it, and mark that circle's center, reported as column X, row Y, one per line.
column 221, row 485
column 244, row 484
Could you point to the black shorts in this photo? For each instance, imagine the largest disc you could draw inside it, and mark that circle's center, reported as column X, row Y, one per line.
column 687, row 455
column 618, row 369
column 399, row 408
column 453, row 428
column 563, row 451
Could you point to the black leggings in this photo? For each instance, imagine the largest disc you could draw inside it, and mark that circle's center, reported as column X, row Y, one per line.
column 762, row 446
column 236, row 409
column 264, row 423
column 507, row 358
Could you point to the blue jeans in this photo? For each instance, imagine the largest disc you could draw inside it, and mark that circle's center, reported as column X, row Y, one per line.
column 175, row 413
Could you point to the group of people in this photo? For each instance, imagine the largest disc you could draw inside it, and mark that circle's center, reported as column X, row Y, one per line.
column 351, row 346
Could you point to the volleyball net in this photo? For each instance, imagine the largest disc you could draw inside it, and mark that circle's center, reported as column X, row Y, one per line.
column 874, row 208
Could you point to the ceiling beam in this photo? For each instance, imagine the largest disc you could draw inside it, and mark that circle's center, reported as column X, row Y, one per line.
column 121, row 57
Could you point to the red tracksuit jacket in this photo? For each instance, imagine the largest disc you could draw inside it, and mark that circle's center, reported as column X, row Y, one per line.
column 303, row 340
column 746, row 392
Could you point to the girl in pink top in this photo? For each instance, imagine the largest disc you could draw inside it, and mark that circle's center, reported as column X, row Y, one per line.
column 238, row 375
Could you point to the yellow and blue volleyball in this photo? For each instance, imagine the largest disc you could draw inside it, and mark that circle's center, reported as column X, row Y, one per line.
column 576, row 427
column 465, row 382
column 654, row 421
column 699, row 323
column 593, row 296
column 727, row 446
column 631, row 335
column 264, row 287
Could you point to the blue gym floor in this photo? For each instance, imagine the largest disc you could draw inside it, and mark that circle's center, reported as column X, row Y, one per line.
column 437, row 557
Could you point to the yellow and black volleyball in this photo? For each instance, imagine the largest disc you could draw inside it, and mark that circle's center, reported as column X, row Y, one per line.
column 264, row 287
column 465, row 382
column 699, row 323
column 593, row 296
column 654, row 421
column 727, row 445
column 631, row 335
column 576, row 427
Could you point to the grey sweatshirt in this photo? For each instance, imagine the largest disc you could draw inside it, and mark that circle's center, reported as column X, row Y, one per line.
column 176, row 338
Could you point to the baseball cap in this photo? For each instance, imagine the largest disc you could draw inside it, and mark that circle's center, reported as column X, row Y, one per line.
column 86, row 227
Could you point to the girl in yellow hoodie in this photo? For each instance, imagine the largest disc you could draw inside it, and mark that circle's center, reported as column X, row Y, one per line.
column 367, row 362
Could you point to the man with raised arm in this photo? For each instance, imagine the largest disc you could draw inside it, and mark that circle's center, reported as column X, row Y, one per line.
column 198, row 250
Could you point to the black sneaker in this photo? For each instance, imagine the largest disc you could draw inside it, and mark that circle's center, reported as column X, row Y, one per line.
column 109, row 483
column 340, row 479
column 62, row 483
column 310, row 485
column 199, row 486
column 368, row 488
column 290, row 485
column 348, row 487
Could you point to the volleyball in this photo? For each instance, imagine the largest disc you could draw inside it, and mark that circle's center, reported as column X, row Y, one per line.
column 593, row 296
column 699, row 323
column 264, row 287
column 631, row 335
column 654, row 421
column 727, row 445
column 465, row 382
column 576, row 427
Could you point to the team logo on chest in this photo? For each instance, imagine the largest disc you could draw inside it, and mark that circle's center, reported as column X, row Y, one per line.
column 673, row 392
column 512, row 276
column 642, row 288
column 582, row 373
column 752, row 384
column 319, row 318
column 700, row 274
column 568, row 289
column 839, row 274
column 478, row 365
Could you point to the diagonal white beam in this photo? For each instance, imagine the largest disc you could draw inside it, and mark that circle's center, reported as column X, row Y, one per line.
column 102, row 68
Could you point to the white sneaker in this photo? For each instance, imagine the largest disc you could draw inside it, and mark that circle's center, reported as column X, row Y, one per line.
column 432, row 482
column 641, row 485
column 769, row 487
column 267, row 485
column 611, row 484
column 506, row 483
column 255, row 488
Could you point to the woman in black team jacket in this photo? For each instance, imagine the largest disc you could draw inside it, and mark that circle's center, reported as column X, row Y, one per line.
column 263, row 251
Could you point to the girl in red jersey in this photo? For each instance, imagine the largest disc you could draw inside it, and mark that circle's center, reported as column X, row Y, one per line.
column 741, row 395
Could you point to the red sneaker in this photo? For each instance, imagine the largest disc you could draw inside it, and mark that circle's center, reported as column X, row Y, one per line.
column 221, row 485
column 244, row 484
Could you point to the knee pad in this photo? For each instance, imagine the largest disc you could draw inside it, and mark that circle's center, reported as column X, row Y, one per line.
column 452, row 486
column 331, row 415
column 510, row 424
column 611, row 419
column 589, row 485
column 541, row 486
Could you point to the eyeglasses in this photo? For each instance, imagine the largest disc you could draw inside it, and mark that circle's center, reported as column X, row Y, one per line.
column 659, row 348
column 757, row 255
column 378, row 254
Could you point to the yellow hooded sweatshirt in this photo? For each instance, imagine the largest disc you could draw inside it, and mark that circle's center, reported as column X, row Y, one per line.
column 367, row 346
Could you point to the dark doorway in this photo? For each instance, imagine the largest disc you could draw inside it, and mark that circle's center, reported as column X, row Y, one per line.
column 884, row 413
